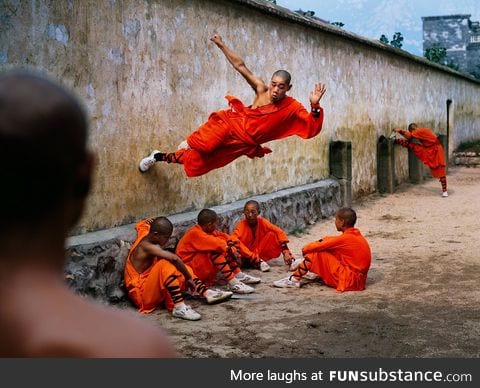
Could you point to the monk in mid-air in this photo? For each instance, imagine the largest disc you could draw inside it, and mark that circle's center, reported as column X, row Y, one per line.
column 342, row 262
column 259, row 239
column 428, row 149
column 241, row 130
column 156, row 277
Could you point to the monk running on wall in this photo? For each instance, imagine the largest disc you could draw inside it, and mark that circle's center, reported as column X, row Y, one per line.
column 241, row 130
column 428, row 149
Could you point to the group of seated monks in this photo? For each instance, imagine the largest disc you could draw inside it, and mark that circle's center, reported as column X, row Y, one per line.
column 205, row 256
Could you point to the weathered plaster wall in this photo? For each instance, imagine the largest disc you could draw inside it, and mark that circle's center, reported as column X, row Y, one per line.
column 149, row 75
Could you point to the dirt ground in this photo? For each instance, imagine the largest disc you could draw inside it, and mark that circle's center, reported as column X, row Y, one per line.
column 422, row 297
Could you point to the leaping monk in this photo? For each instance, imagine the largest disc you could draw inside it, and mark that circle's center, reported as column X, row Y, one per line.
column 241, row 130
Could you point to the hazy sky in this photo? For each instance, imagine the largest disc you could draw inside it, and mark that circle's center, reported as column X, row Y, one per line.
column 372, row 18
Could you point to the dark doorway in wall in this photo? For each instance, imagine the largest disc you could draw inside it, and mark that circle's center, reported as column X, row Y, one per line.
column 449, row 128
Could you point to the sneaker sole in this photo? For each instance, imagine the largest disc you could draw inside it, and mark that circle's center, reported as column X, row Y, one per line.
column 243, row 292
column 251, row 282
column 222, row 299
column 186, row 318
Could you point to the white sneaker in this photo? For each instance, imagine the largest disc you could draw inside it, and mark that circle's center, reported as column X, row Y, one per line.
column 148, row 162
column 264, row 267
column 295, row 263
column 183, row 146
column 444, row 194
column 185, row 312
column 217, row 296
column 310, row 276
column 288, row 282
column 247, row 279
column 241, row 288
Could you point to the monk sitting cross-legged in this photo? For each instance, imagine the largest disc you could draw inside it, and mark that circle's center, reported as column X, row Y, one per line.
column 207, row 251
column 241, row 130
column 259, row 239
column 429, row 151
column 342, row 262
column 154, row 276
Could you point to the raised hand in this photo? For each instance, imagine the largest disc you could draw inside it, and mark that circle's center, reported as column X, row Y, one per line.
column 317, row 93
column 217, row 39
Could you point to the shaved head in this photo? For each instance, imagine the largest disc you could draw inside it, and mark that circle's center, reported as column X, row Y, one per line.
column 252, row 203
column 43, row 135
column 206, row 216
column 348, row 215
column 412, row 126
column 285, row 75
column 162, row 226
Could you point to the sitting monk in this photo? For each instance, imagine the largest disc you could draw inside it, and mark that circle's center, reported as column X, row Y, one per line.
column 260, row 240
column 207, row 251
column 342, row 262
column 154, row 276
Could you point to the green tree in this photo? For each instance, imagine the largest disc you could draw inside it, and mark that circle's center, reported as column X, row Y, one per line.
column 397, row 40
column 439, row 55
column 453, row 65
column 436, row 54
column 383, row 39
column 305, row 13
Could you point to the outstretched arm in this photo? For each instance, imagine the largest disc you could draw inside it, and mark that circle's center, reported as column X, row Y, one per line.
column 238, row 64
column 402, row 132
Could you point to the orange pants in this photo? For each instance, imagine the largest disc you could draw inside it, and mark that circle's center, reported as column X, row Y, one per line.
column 152, row 288
column 207, row 265
column 332, row 271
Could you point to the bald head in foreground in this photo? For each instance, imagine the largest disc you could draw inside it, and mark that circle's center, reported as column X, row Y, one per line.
column 46, row 174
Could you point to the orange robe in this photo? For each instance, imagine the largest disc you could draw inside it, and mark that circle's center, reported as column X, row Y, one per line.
column 196, row 248
column 229, row 134
column 341, row 261
column 147, row 289
column 266, row 243
column 430, row 151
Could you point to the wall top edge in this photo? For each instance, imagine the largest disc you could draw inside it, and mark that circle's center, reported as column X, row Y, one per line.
column 455, row 16
column 284, row 13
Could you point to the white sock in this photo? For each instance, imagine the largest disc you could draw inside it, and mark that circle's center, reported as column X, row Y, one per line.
column 240, row 275
column 234, row 281
column 180, row 305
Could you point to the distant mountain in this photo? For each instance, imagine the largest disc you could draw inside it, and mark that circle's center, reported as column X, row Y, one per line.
column 372, row 18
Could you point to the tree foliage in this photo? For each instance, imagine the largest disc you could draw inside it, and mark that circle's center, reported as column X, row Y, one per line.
column 436, row 54
column 396, row 41
column 384, row 39
column 305, row 13
column 439, row 55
